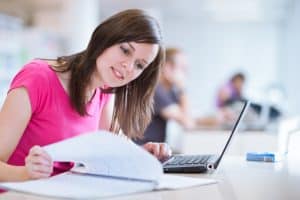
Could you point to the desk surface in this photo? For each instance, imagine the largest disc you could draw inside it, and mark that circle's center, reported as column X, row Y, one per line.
column 237, row 179
column 213, row 141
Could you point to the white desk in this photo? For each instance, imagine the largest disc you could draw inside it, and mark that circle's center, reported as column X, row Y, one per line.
column 238, row 180
column 213, row 141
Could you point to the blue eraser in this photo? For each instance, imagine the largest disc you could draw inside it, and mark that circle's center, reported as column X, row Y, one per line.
column 264, row 157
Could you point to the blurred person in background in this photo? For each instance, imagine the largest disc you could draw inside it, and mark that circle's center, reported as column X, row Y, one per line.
column 170, row 100
column 232, row 91
column 229, row 94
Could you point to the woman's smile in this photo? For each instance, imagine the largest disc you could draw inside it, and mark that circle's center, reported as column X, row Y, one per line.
column 117, row 74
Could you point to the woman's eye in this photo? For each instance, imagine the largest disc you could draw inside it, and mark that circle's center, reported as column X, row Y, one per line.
column 139, row 66
column 125, row 50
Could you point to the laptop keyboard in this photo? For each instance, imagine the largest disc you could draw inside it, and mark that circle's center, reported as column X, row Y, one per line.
column 188, row 160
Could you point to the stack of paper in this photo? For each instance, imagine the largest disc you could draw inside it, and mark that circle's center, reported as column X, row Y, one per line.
column 112, row 166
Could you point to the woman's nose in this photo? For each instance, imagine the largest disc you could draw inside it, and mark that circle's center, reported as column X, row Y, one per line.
column 129, row 65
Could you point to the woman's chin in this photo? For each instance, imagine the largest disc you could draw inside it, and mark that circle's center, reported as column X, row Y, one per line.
column 114, row 85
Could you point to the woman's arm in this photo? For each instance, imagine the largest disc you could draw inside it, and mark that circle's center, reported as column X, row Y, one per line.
column 174, row 112
column 14, row 117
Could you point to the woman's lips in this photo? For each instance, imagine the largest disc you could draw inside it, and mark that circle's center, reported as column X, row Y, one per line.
column 117, row 74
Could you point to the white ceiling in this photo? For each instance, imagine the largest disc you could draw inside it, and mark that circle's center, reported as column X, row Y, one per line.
column 207, row 10
column 199, row 10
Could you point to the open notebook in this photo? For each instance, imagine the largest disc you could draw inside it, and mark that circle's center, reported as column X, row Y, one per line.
column 106, row 165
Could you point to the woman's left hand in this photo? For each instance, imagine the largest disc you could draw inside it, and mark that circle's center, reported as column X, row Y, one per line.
column 160, row 150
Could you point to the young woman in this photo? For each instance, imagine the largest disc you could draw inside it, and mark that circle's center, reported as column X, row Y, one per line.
column 49, row 101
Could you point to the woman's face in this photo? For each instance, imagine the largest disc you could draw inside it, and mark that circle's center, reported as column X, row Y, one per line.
column 122, row 63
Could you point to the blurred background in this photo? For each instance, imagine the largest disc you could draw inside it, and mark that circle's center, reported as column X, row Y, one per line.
column 220, row 37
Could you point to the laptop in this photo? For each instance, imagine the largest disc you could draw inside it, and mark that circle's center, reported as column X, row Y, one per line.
column 201, row 163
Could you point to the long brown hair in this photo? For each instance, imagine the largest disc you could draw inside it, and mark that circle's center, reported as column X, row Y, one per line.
column 134, row 101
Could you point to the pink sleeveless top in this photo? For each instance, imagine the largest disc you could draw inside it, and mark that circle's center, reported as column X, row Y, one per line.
column 53, row 118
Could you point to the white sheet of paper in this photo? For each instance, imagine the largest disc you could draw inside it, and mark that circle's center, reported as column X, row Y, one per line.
column 70, row 185
column 80, row 187
column 173, row 182
column 105, row 153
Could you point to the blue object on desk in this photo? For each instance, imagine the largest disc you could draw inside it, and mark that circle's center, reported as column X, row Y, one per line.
column 264, row 157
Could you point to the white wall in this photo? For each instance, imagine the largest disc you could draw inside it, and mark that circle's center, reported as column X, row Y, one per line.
column 290, row 64
column 80, row 18
column 216, row 50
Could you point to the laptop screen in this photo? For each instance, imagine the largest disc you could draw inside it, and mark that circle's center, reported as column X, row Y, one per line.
column 236, row 118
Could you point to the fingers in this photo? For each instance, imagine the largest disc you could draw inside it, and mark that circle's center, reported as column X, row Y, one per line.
column 35, row 171
column 153, row 148
column 159, row 150
column 165, row 151
column 38, row 171
column 38, row 163
column 39, row 151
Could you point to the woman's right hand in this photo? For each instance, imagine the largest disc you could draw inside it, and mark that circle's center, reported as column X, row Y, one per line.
column 38, row 163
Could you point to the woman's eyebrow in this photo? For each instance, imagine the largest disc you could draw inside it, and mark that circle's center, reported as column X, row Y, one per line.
column 130, row 45
column 146, row 63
